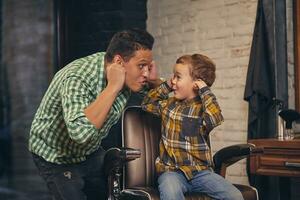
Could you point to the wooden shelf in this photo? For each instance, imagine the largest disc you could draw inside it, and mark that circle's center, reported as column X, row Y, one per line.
column 278, row 158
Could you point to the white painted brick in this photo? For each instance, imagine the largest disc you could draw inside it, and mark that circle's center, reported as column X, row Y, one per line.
column 188, row 27
column 231, row 2
column 190, row 37
column 174, row 39
column 229, row 93
column 240, row 52
column 211, row 44
column 191, row 48
column 239, row 41
column 234, row 104
column 204, row 24
column 235, row 136
column 208, row 5
column 245, row 8
column 172, row 50
column 251, row 8
column 211, row 13
column 231, row 114
column 230, row 77
column 243, row 30
column 173, row 20
column 215, row 54
column 228, row 62
column 232, row 125
column 236, row 170
column 217, row 34
column 171, row 9
column 238, row 20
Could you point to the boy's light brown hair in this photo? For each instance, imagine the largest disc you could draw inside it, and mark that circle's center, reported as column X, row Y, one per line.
column 201, row 67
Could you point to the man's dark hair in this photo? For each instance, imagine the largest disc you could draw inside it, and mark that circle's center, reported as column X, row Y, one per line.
column 126, row 43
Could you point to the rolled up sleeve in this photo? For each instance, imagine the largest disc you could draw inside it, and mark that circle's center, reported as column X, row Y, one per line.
column 75, row 98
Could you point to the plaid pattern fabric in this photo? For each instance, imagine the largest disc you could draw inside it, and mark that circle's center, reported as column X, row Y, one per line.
column 185, row 128
column 60, row 131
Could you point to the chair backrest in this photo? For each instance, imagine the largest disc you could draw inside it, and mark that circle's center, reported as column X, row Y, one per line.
column 140, row 130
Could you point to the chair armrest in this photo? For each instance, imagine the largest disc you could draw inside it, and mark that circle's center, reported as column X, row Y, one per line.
column 230, row 155
column 117, row 157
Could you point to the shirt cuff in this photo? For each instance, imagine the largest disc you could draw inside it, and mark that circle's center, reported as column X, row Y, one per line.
column 165, row 87
column 204, row 91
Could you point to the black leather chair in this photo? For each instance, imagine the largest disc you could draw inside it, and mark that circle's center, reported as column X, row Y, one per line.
column 137, row 179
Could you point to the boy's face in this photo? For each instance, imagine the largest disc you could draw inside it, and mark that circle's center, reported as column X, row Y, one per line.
column 182, row 83
column 137, row 69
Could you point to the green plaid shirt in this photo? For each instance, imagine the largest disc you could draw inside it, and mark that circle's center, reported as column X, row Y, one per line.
column 185, row 128
column 60, row 131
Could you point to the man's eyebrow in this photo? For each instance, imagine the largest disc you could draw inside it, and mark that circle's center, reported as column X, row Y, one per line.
column 144, row 60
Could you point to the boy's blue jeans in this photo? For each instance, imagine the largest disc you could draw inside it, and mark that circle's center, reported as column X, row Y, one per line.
column 81, row 181
column 173, row 186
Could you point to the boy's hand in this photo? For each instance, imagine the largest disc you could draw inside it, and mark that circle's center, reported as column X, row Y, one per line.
column 198, row 84
column 169, row 82
column 153, row 79
column 152, row 72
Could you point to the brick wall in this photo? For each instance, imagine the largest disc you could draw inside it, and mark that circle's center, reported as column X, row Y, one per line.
column 222, row 30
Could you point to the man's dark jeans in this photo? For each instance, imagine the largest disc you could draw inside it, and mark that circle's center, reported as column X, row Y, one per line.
column 81, row 181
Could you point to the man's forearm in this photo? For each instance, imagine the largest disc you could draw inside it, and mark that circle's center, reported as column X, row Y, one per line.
column 97, row 111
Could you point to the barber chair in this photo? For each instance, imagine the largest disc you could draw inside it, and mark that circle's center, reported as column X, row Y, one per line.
column 130, row 170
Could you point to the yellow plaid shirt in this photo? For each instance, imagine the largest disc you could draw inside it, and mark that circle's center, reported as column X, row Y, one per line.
column 185, row 128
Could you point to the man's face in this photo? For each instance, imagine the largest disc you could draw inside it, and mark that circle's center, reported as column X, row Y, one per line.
column 137, row 69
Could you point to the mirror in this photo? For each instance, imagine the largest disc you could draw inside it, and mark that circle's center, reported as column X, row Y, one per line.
column 297, row 53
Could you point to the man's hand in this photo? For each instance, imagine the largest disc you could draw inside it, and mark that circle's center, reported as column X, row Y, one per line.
column 115, row 74
column 198, row 84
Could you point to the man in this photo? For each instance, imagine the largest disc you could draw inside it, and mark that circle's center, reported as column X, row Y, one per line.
column 84, row 100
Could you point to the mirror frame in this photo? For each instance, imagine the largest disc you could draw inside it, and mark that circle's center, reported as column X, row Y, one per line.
column 297, row 53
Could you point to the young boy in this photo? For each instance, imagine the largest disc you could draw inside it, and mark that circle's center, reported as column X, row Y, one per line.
column 185, row 163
